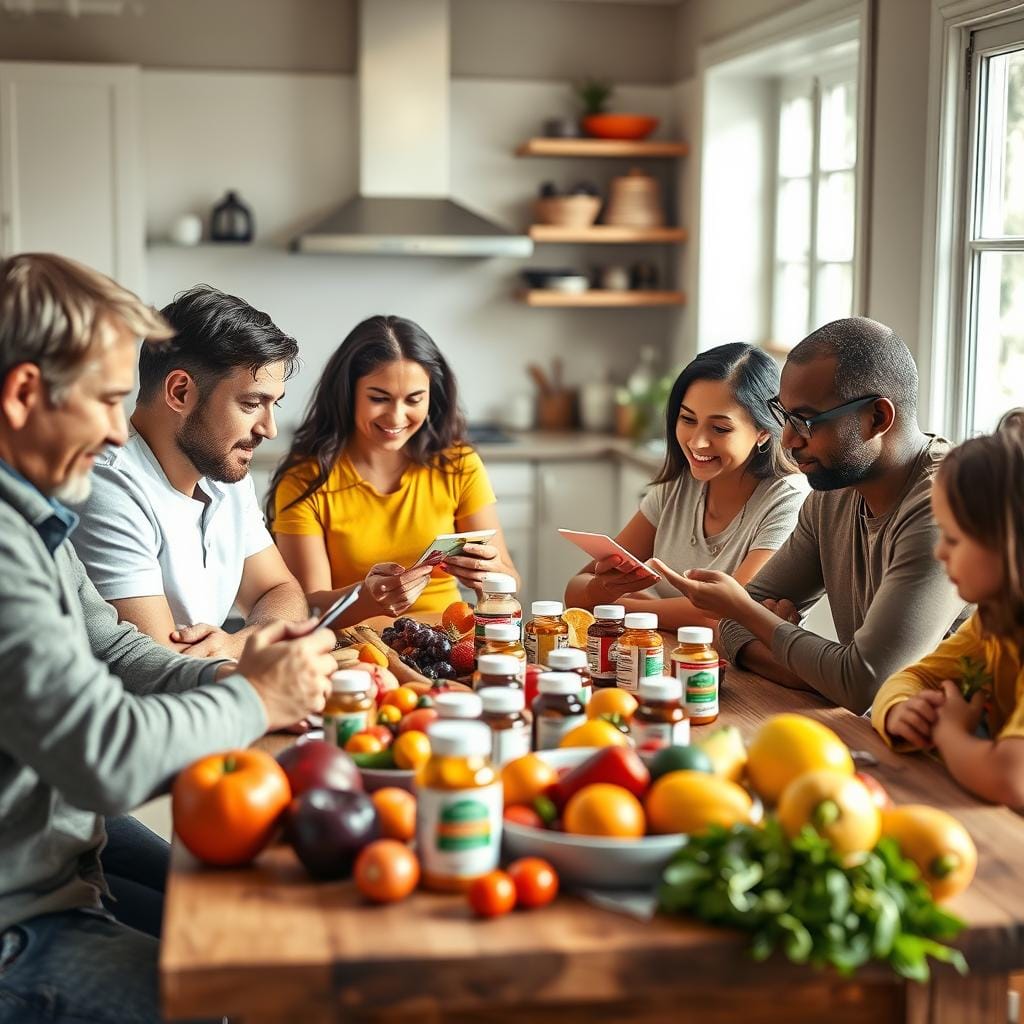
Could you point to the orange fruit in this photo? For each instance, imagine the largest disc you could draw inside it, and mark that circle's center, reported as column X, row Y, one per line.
column 372, row 656
column 689, row 801
column 612, row 701
column 411, row 749
column 405, row 698
column 389, row 714
column 595, row 733
column 526, row 778
column 364, row 743
column 396, row 809
column 386, row 871
column 602, row 809
column 459, row 616
column 580, row 620
column 788, row 745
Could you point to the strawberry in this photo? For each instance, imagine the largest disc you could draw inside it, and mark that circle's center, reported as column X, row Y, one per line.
column 462, row 657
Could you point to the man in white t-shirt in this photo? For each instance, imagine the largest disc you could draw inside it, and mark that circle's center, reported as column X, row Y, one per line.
column 172, row 534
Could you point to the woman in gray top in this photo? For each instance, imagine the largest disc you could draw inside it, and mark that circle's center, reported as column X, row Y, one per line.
column 727, row 495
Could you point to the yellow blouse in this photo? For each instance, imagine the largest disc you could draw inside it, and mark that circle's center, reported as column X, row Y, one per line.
column 994, row 657
column 361, row 526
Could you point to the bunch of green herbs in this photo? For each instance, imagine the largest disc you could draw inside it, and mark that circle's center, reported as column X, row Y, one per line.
column 796, row 896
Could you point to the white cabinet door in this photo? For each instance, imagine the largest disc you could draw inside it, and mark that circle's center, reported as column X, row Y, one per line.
column 576, row 496
column 70, row 179
column 633, row 484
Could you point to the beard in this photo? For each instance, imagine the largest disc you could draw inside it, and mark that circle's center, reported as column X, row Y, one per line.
column 75, row 490
column 852, row 464
column 198, row 444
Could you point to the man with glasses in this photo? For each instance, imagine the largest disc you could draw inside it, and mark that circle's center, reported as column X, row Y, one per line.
column 864, row 538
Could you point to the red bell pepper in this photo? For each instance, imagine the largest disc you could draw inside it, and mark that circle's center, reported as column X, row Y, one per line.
column 620, row 766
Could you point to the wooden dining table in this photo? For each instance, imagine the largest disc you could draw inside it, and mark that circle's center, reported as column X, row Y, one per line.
column 266, row 943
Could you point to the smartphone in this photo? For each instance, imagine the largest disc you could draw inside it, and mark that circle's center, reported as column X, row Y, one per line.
column 599, row 545
column 339, row 606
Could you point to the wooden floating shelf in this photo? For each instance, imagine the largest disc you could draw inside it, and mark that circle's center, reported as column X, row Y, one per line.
column 605, row 233
column 600, row 297
column 601, row 147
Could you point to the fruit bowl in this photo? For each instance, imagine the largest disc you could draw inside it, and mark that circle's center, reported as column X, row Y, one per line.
column 379, row 778
column 594, row 861
column 619, row 126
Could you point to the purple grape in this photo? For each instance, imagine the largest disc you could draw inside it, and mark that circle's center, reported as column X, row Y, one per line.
column 444, row 670
column 402, row 624
column 444, row 645
column 430, row 672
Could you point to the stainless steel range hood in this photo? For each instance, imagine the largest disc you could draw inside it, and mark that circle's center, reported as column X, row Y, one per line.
column 404, row 206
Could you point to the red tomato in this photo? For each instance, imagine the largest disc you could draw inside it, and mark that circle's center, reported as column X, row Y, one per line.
column 386, row 871
column 535, row 880
column 879, row 795
column 520, row 814
column 530, row 686
column 382, row 732
column 417, row 720
column 492, row 894
column 226, row 806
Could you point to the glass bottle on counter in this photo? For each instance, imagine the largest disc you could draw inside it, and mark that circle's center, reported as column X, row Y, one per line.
column 545, row 632
column 499, row 670
column 640, row 651
column 696, row 664
column 510, row 730
column 459, row 804
column 505, row 638
column 660, row 719
column 498, row 605
column 557, row 708
column 350, row 708
column 602, row 637
column 572, row 659
column 458, row 704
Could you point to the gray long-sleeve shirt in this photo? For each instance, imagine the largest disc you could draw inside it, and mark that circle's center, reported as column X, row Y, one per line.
column 891, row 601
column 95, row 717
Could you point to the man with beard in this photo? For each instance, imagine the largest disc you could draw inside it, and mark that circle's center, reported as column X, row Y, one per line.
column 864, row 537
column 172, row 534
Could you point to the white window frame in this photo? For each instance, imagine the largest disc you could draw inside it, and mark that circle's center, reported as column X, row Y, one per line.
column 949, row 176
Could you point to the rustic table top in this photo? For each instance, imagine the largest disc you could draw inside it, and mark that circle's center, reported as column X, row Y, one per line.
column 268, row 943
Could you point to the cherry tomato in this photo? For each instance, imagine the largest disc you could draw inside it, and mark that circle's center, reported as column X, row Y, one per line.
column 520, row 814
column 382, row 732
column 386, row 871
column 417, row 720
column 492, row 894
column 535, row 880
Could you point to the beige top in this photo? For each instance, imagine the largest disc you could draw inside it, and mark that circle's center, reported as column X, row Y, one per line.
column 891, row 600
column 676, row 510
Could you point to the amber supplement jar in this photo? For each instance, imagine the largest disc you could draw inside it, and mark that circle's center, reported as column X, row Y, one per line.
column 602, row 636
column 557, row 708
column 498, row 604
column 350, row 708
column 640, row 651
column 545, row 632
column 498, row 670
column 510, row 730
column 572, row 659
column 458, row 704
column 505, row 638
column 660, row 720
column 696, row 664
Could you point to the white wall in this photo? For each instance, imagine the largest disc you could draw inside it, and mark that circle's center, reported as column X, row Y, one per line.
column 286, row 142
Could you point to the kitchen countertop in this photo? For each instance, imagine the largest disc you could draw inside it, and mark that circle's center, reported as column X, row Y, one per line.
column 527, row 446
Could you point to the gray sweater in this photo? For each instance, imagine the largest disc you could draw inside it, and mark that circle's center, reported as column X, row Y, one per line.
column 96, row 717
column 891, row 601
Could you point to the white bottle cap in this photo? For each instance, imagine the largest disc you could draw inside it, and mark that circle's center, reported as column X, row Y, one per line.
column 459, row 739
column 350, row 680
column 505, row 631
column 661, row 688
column 609, row 611
column 565, row 659
column 641, row 620
column 457, row 704
column 546, row 607
column 502, row 699
column 558, row 682
column 497, row 583
column 695, row 635
column 499, row 665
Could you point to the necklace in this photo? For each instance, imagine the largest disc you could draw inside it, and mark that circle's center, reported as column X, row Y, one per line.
column 698, row 517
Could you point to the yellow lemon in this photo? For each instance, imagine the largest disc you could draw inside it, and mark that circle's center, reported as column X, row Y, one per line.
column 580, row 620
column 612, row 701
column 790, row 745
column 595, row 733
column 937, row 843
column 839, row 808
column 690, row 801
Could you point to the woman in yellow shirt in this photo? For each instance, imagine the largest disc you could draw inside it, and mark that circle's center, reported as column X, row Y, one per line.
column 974, row 680
column 376, row 471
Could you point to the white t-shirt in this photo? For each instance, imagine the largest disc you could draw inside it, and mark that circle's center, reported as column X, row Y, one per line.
column 139, row 537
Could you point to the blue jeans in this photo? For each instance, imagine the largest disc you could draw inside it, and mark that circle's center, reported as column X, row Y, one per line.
column 77, row 966
column 135, row 862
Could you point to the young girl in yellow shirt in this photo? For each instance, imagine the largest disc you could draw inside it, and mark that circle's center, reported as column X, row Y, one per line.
column 966, row 699
column 376, row 471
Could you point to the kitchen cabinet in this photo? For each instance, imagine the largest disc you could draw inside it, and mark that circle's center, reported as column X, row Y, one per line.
column 513, row 484
column 634, row 482
column 604, row 234
column 70, row 177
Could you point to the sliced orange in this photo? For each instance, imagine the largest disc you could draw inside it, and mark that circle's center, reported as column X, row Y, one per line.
column 459, row 616
column 580, row 620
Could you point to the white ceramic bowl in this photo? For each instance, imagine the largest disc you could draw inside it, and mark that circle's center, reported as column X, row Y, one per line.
column 593, row 861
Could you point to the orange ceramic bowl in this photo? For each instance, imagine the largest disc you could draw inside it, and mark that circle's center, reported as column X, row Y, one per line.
column 619, row 126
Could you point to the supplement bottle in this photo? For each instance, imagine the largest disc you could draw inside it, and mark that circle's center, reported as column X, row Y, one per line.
column 545, row 632
column 640, row 651
column 602, row 638
column 695, row 663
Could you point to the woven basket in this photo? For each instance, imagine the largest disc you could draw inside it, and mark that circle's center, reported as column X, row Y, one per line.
column 568, row 211
column 634, row 201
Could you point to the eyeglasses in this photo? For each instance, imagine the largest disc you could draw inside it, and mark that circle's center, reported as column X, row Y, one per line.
column 803, row 425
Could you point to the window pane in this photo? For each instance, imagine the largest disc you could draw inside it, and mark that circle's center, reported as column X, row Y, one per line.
column 999, row 366
column 1002, row 190
column 793, row 224
column 838, row 126
column 795, row 137
column 833, row 295
column 792, row 297
column 835, row 216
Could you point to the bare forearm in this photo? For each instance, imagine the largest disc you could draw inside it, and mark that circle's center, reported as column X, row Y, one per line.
column 672, row 612
column 576, row 594
column 284, row 602
column 757, row 657
column 985, row 767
